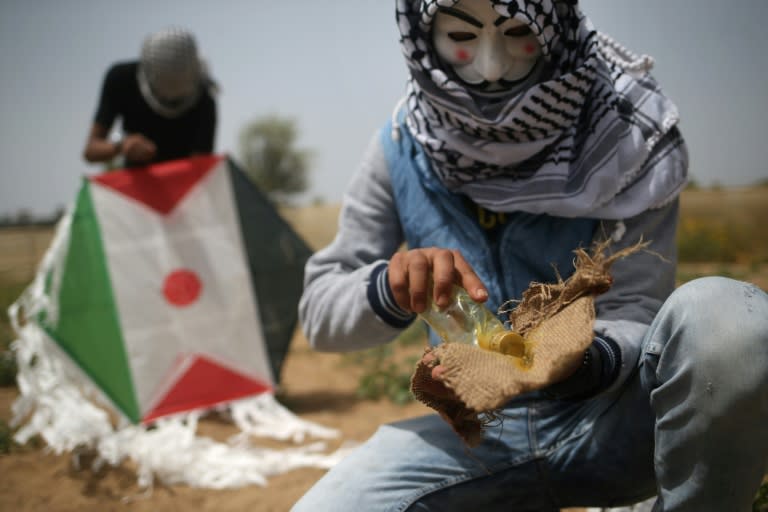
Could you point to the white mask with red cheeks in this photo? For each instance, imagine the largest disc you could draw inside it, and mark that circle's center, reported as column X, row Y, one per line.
column 485, row 50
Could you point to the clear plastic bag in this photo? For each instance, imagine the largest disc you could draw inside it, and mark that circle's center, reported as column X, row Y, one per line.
column 469, row 322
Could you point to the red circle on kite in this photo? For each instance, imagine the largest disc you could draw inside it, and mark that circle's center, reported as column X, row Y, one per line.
column 182, row 287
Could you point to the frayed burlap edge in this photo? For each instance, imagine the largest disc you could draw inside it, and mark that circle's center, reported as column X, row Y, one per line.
column 556, row 322
column 591, row 277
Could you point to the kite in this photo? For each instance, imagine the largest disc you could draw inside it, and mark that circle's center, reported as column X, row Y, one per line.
column 168, row 291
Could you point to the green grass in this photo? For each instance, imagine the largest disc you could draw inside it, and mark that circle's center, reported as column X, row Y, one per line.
column 387, row 369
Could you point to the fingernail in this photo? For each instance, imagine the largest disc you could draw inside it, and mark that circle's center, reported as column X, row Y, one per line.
column 481, row 293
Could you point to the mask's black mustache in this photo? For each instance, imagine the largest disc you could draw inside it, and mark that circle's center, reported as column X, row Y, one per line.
column 501, row 83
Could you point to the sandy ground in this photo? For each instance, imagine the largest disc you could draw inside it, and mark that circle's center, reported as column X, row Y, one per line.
column 318, row 387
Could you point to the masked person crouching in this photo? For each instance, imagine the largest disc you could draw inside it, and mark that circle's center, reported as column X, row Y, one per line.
column 525, row 133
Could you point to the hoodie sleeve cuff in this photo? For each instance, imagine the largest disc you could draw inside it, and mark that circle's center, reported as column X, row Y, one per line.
column 610, row 360
column 600, row 367
column 382, row 300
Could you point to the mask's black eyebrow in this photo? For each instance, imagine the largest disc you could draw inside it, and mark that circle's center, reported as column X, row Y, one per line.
column 500, row 20
column 450, row 11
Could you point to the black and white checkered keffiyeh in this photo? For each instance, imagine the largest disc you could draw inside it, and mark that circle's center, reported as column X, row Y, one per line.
column 592, row 136
column 171, row 75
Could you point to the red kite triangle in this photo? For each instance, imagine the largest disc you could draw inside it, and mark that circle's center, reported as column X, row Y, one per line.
column 159, row 186
column 205, row 384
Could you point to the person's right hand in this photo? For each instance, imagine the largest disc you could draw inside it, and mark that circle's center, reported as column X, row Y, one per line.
column 409, row 274
column 137, row 148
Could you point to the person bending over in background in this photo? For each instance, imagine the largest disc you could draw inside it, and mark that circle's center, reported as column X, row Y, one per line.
column 525, row 134
column 165, row 101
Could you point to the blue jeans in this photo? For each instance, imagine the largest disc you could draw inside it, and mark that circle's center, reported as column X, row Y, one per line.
column 690, row 425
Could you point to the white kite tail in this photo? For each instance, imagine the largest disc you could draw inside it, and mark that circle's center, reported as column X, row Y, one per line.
column 71, row 415
column 55, row 399
column 172, row 453
column 40, row 295
column 52, row 400
column 263, row 415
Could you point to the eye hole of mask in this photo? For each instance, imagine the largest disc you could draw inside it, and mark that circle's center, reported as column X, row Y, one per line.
column 518, row 31
column 461, row 36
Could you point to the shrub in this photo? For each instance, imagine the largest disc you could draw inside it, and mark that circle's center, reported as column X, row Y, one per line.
column 387, row 368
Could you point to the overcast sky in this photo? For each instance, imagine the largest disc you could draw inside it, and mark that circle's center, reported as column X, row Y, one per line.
column 336, row 68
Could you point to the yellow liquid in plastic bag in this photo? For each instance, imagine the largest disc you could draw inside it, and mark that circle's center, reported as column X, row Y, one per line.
column 466, row 321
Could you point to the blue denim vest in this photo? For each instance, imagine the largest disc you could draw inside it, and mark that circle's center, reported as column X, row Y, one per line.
column 526, row 248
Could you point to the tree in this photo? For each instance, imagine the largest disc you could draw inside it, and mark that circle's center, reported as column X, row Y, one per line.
column 270, row 158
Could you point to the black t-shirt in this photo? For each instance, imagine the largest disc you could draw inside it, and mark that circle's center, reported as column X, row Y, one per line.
column 178, row 137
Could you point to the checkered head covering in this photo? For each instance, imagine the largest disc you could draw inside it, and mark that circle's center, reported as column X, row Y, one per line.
column 590, row 134
column 171, row 75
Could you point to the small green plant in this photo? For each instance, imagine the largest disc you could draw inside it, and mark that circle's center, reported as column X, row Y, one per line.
column 6, row 438
column 386, row 370
column 761, row 499
column 384, row 378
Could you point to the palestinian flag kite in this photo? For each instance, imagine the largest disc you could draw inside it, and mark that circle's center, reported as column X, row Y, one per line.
column 177, row 289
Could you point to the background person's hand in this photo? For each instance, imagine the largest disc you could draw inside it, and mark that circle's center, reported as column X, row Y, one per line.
column 409, row 274
column 138, row 148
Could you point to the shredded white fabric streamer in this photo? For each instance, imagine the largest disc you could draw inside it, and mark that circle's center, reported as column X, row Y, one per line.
column 72, row 415
column 262, row 415
column 172, row 453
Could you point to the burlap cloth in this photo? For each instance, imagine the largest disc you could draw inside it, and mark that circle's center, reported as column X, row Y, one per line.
column 556, row 322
